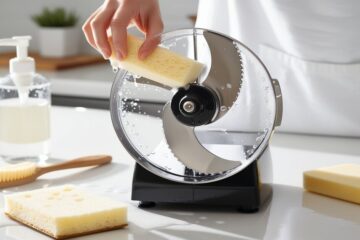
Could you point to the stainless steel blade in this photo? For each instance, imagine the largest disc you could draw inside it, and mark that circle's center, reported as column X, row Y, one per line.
column 143, row 80
column 188, row 150
column 226, row 72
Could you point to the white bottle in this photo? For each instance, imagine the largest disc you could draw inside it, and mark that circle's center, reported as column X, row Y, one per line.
column 24, row 107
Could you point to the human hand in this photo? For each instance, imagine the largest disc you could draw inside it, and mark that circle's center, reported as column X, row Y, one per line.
column 116, row 16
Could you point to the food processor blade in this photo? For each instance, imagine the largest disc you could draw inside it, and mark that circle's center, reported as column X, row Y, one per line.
column 185, row 146
column 226, row 71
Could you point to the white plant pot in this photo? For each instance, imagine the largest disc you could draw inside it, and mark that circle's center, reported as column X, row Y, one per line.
column 59, row 42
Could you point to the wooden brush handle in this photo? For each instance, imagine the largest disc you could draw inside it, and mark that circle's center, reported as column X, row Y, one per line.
column 77, row 163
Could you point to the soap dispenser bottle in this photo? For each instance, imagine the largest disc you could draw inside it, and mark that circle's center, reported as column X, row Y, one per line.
column 24, row 107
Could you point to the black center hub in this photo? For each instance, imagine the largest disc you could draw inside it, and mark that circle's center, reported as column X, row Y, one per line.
column 194, row 105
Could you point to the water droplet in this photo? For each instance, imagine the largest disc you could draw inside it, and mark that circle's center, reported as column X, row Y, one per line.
column 249, row 152
column 228, row 85
column 223, row 108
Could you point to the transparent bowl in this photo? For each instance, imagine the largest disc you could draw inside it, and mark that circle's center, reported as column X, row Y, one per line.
column 244, row 125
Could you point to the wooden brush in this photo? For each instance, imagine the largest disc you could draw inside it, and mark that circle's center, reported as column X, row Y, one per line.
column 27, row 172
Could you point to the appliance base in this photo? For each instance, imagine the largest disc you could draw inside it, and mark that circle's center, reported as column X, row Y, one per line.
column 241, row 191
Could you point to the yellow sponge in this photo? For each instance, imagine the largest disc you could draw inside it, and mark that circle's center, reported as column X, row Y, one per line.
column 65, row 211
column 339, row 181
column 162, row 66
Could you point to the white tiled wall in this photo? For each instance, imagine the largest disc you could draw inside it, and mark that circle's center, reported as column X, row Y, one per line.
column 15, row 15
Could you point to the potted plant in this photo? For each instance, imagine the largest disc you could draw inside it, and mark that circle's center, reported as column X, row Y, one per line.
column 58, row 34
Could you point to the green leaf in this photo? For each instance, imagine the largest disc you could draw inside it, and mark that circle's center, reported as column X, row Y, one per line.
column 57, row 17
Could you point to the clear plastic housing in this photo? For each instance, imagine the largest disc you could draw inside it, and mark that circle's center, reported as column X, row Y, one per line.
column 24, row 120
column 241, row 134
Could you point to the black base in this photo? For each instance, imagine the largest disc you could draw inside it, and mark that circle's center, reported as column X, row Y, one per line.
column 241, row 191
column 146, row 204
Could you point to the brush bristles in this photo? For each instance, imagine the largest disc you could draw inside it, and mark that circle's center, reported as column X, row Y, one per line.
column 18, row 171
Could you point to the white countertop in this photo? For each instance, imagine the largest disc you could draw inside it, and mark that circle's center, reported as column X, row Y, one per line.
column 292, row 213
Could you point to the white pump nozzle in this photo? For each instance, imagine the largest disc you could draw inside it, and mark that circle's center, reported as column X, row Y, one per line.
column 22, row 67
column 22, row 46
column 21, row 63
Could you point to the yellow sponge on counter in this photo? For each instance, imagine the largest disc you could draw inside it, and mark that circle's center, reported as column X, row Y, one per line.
column 339, row 181
column 162, row 66
column 65, row 211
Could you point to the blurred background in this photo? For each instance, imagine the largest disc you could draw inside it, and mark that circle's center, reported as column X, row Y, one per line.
column 78, row 74
column 16, row 16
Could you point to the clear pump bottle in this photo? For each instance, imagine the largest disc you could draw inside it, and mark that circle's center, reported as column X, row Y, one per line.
column 25, row 102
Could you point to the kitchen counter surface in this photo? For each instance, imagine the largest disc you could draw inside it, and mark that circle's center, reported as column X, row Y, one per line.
column 87, row 81
column 291, row 214
column 93, row 81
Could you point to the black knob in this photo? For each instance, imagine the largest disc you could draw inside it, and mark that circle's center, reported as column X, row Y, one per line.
column 194, row 105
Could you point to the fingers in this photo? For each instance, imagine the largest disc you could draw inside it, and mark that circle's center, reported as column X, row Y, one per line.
column 96, row 25
column 116, row 16
column 87, row 29
column 99, row 25
column 139, row 23
column 119, row 23
column 153, row 29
